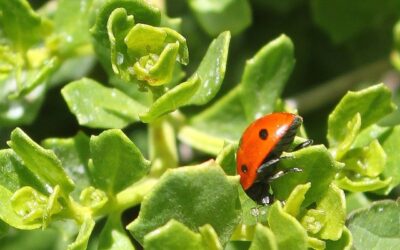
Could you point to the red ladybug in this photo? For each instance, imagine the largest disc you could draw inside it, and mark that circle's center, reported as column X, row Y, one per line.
column 260, row 150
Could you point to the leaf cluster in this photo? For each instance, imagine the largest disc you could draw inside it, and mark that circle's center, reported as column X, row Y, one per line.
column 71, row 186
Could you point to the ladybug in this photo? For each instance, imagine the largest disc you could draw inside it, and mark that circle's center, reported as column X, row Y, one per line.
column 260, row 151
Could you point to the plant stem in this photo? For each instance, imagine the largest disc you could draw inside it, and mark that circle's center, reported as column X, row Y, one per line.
column 134, row 194
column 162, row 143
column 78, row 212
column 334, row 89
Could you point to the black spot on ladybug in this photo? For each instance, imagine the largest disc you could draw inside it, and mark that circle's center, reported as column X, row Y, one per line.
column 244, row 168
column 263, row 134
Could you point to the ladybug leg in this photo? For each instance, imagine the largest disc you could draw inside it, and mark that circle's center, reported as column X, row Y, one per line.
column 284, row 172
column 265, row 167
column 304, row 144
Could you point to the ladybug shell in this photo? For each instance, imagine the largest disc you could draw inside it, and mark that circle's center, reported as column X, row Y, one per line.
column 258, row 141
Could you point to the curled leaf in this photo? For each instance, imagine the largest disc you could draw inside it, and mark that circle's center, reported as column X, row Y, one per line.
column 152, row 53
column 93, row 198
column 34, row 207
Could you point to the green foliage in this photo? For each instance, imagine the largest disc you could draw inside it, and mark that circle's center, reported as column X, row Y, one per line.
column 211, row 70
column 374, row 226
column 43, row 163
column 364, row 162
column 107, row 108
column 185, row 187
column 22, row 25
column 182, row 193
column 216, row 17
column 246, row 101
column 267, row 72
column 34, row 49
column 289, row 232
column 116, row 162
column 178, row 96
column 113, row 236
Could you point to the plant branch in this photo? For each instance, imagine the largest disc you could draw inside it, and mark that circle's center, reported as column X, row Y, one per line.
column 134, row 194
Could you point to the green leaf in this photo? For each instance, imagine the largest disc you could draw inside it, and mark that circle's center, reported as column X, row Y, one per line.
column 22, row 110
column 372, row 103
column 14, row 175
column 227, row 111
column 364, row 184
column 345, row 242
column 194, row 196
column 118, row 26
column 353, row 128
column 334, row 206
column 365, row 137
column 83, row 236
column 171, row 100
column 210, row 237
column 32, row 240
column 71, row 25
column 377, row 226
column 313, row 221
column 356, row 201
column 238, row 245
column 295, row 199
column 251, row 213
column 144, row 39
column 201, row 140
column 205, row 131
column 263, row 239
column 8, row 215
column 132, row 90
column 157, row 70
column 343, row 20
column 142, row 12
column 72, row 69
column 74, row 154
column 97, row 106
column 227, row 159
column 265, row 76
column 93, row 198
column 34, row 207
column 318, row 168
column 368, row 161
column 288, row 231
column 113, row 235
column 217, row 16
column 315, row 243
column 42, row 162
column 173, row 235
column 389, row 138
column 391, row 144
column 33, row 78
column 211, row 70
column 21, row 24
column 153, row 52
column 117, row 162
